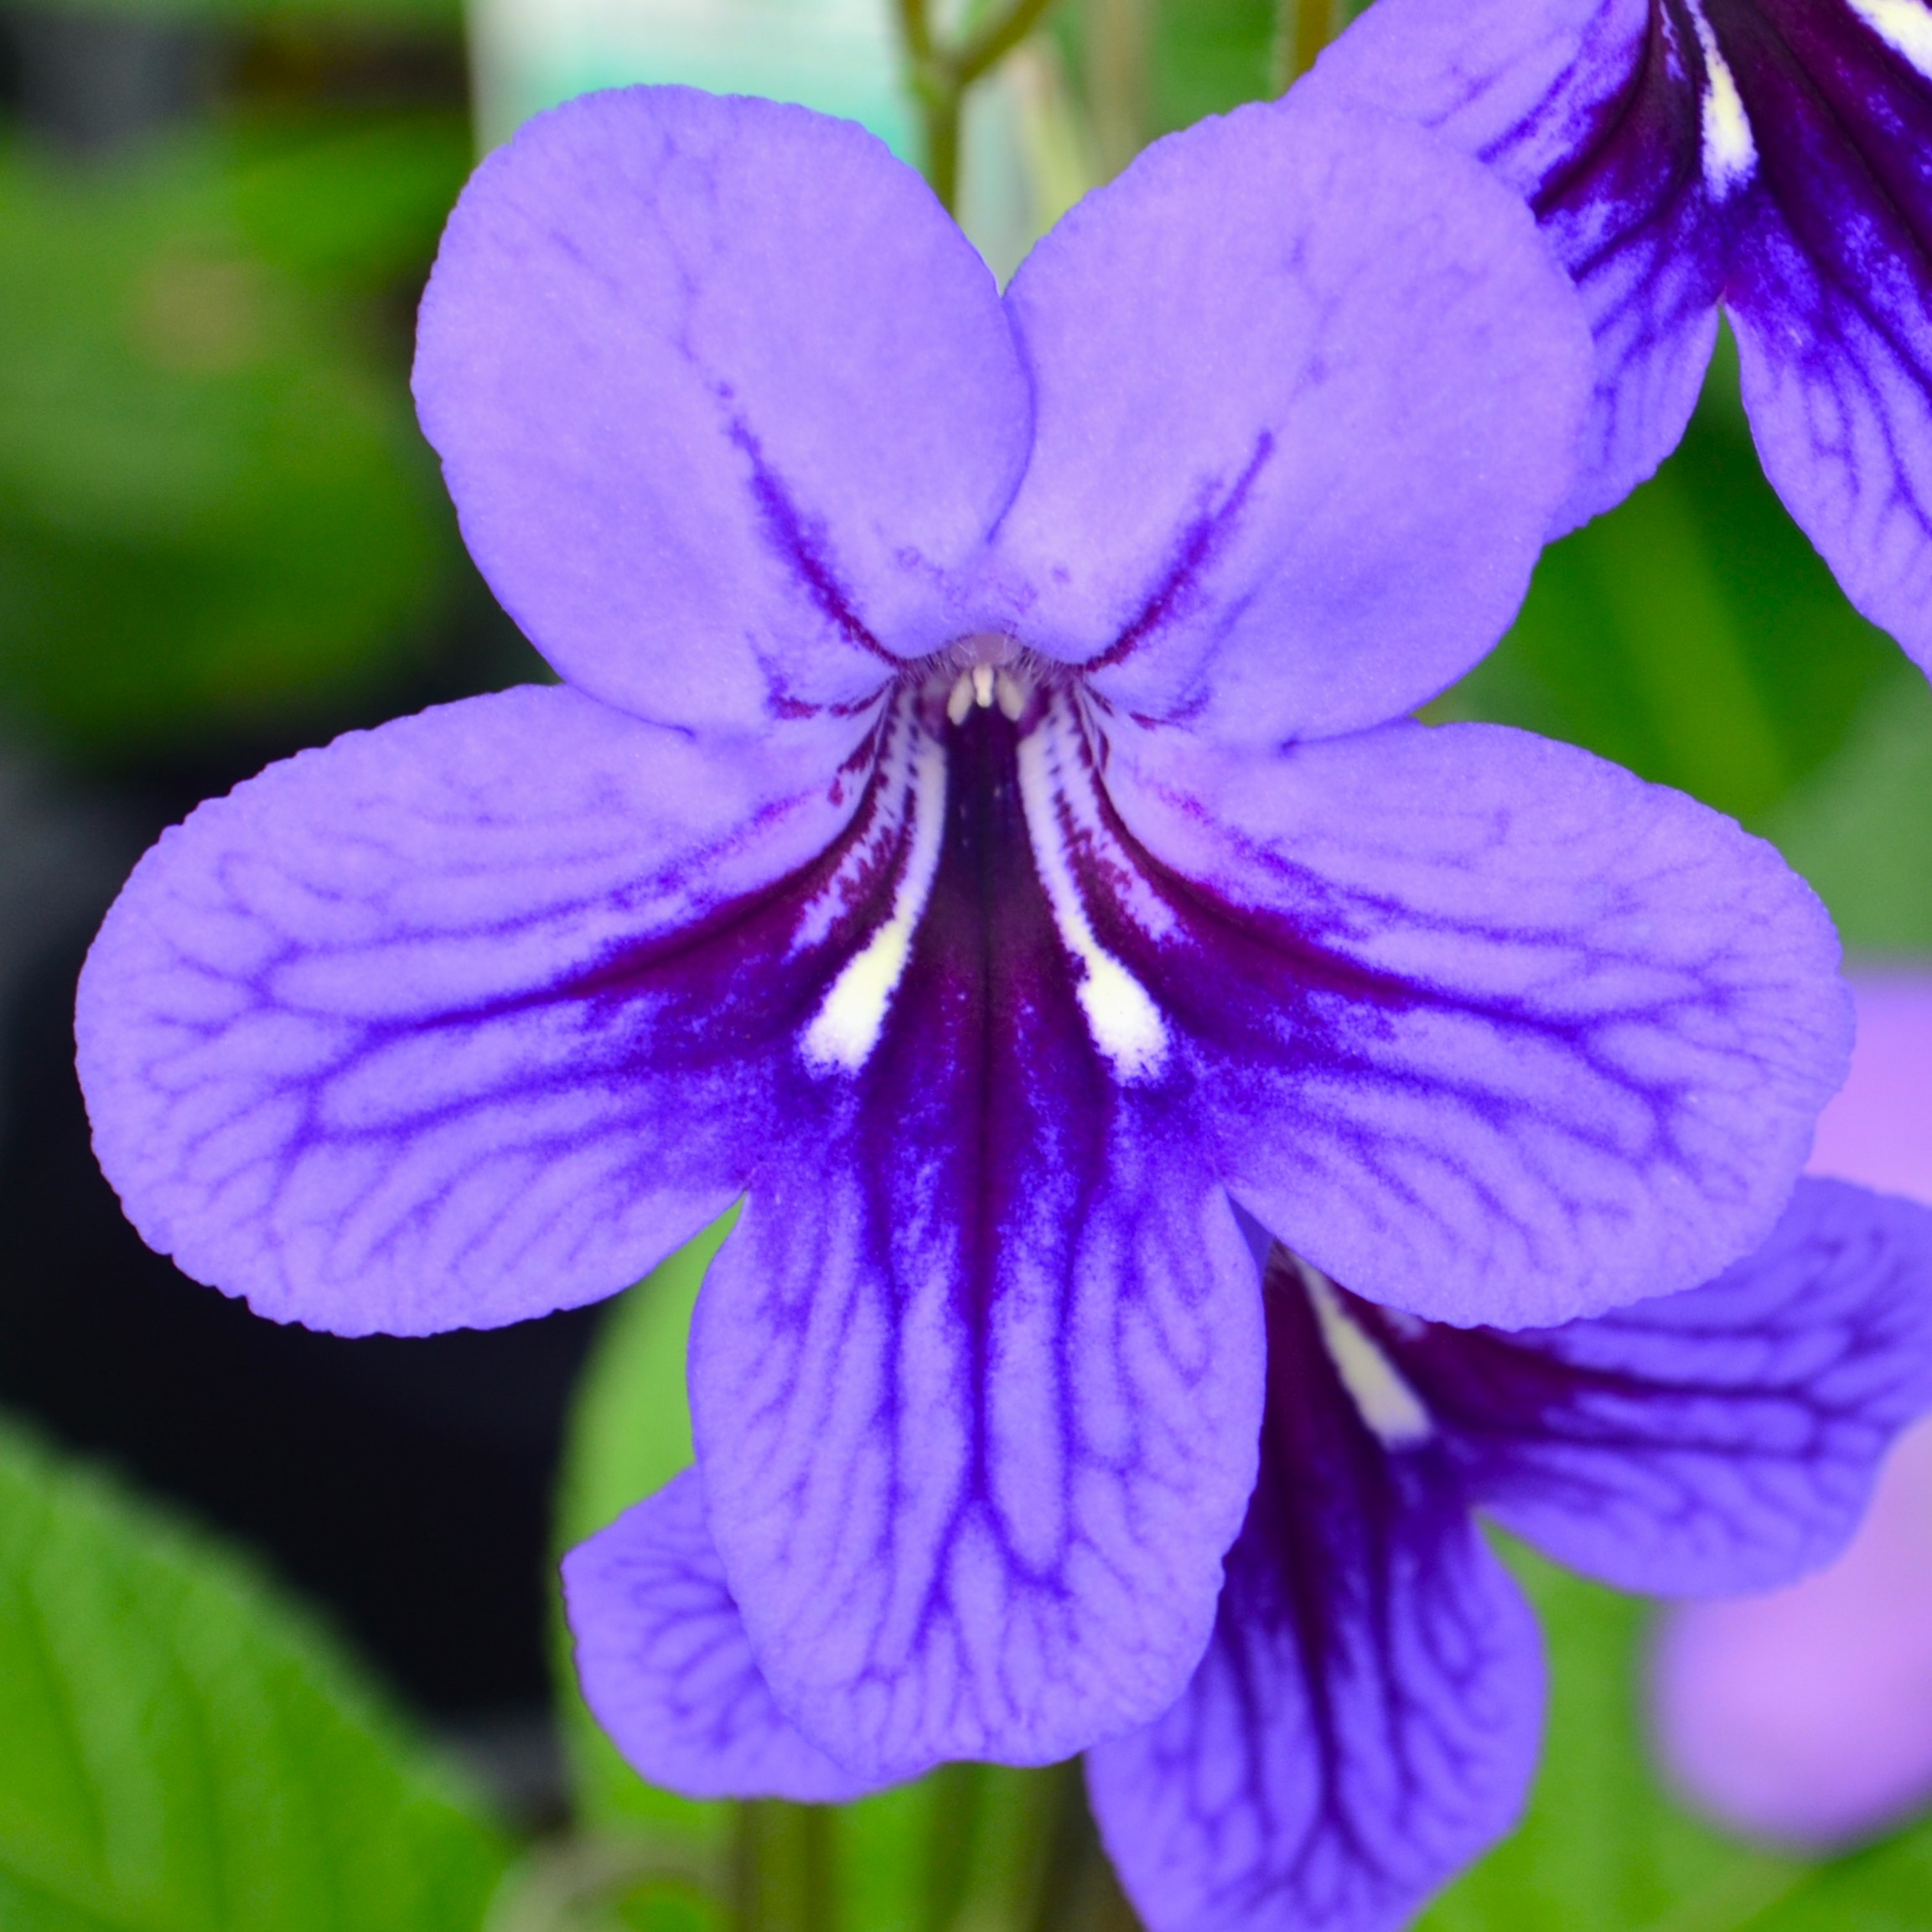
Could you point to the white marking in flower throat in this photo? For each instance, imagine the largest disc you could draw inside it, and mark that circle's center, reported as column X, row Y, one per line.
column 1125, row 1024
column 851, row 1015
column 1730, row 150
column 1905, row 26
column 1391, row 1409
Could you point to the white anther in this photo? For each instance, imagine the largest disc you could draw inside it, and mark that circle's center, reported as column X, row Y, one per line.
column 1385, row 1401
column 851, row 1015
column 1012, row 695
column 1125, row 1024
column 1730, row 152
column 1905, row 26
column 960, row 699
column 982, row 675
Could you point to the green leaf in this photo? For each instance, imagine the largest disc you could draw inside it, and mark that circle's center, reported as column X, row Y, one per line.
column 180, row 1751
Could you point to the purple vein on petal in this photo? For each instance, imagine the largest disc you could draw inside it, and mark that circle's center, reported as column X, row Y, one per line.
column 1181, row 588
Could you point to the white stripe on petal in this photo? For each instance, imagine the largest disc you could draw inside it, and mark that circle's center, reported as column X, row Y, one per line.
column 1905, row 26
column 1125, row 1024
column 851, row 1015
column 1391, row 1409
column 1730, row 151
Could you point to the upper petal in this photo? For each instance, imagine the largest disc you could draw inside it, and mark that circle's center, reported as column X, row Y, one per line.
column 725, row 400
column 667, row 1668
column 1307, row 389
column 1490, row 1029
column 1594, row 110
column 1720, row 1440
column 429, row 1028
column 1365, row 1721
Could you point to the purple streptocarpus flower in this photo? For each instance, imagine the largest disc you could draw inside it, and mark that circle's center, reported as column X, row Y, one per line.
column 970, row 833
column 1365, row 1718
column 1805, row 1715
column 1770, row 157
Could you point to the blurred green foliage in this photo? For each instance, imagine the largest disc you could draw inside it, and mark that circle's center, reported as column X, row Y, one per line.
column 181, row 1751
column 216, row 512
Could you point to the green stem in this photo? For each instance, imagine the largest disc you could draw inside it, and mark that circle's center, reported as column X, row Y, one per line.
column 959, row 1797
column 1302, row 28
column 784, row 1867
column 940, row 76
column 997, row 39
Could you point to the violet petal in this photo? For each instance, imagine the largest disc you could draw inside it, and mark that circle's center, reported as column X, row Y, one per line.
column 1366, row 1719
column 369, row 1041
column 1485, row 1026
column 666, row 1669
column 1722, row 1440
column 1294, row 464
column 1589, row 109
column 726, row 404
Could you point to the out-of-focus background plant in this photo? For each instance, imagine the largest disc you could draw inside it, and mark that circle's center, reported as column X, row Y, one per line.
column 221, row 537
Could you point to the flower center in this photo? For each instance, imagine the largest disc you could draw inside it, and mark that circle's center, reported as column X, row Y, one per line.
column 990, row 800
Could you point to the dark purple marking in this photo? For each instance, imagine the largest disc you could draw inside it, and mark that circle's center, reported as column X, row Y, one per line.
column 1365, row 1718
column 802, row 543
column 1180, row 587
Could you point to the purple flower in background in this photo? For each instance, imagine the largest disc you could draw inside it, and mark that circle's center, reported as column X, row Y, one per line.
column 971, row 832
column 1806, row 1715
column 1770, row 157
column 1366, row 1719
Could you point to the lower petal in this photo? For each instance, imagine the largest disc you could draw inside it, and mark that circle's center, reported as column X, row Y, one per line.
column 667, row 1670
column 1490, row 1030
column 1718, row 1440
column 975, row 1439
column 1365, row 1721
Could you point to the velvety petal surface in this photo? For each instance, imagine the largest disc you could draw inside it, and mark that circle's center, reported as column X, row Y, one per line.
column 726, row 401
column 1591, row 111
column 665, row 1667
column 1722, row 1440
column 976, row 1381
column 1365, row 1721
column 1806, row 1715
column 454, row 1022
column 1294, row 464
column 1486, row 1028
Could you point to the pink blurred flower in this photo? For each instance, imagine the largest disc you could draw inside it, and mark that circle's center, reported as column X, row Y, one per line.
column 1805, row 1715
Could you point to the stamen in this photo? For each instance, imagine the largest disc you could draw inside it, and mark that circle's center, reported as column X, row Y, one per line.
column 1125, row 1024
column 1012, row 693
column 1730, row 152
column 982, row 676
column 1390, row 1408
column 960, row 699
column 851, row 1015
column 1905, row 26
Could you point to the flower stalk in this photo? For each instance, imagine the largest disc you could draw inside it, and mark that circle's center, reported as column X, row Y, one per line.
column 940, row 72
column 1302, row 28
